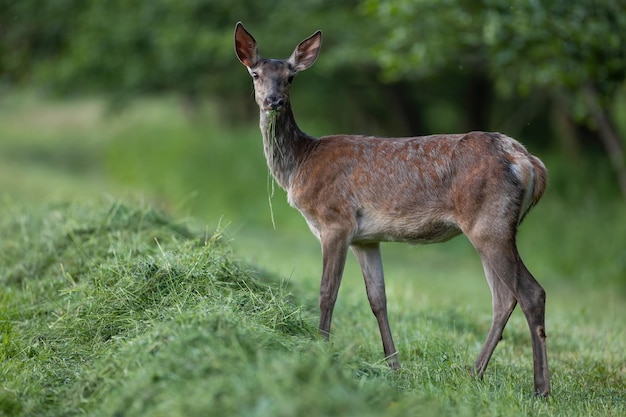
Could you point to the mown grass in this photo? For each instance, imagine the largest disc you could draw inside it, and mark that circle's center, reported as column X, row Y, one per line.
column 119, row 310
column 113, row 308
column 104, row 311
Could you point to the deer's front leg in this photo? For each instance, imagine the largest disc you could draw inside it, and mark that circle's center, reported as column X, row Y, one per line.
column 334, row 251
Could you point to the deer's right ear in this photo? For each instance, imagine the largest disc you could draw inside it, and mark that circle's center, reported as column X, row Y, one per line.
column 245, row 46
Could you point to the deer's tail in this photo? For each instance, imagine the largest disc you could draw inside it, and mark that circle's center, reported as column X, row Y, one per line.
column 541, row 179
column 535, row 186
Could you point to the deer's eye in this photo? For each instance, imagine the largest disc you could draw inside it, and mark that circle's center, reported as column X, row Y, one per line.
column 290, row 79
column 255, row 75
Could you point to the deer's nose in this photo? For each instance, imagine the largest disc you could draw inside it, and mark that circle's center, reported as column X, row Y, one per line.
column 275, row 101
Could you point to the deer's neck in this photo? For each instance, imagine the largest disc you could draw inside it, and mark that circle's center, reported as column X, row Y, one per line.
column 284, row 144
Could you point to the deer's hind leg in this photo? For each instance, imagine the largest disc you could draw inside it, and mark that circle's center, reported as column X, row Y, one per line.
column 503, row 304
column 511, row 282
column 532, row 299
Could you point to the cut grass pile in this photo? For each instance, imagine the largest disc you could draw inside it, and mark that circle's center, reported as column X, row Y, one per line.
column 123, row 312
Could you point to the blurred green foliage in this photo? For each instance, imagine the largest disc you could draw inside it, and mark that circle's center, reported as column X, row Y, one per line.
column 559, row 44
column 150, row 46
column 550, row 73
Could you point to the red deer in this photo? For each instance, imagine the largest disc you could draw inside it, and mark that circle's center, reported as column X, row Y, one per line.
column 357, row 191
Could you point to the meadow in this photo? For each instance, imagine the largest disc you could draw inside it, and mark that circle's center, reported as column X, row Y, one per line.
column 141, row 275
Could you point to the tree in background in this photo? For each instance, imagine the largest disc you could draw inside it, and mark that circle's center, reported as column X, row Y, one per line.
column 574, row 49
column 152, row 46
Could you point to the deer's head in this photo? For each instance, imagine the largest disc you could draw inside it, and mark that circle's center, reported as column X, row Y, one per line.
column 273, row 77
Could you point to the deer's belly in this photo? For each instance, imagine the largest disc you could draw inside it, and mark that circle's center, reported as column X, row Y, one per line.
column 375, row 225
column 410, row 229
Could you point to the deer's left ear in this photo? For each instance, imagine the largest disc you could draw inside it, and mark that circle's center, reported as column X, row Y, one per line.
column 245, row 46
column 306, row 52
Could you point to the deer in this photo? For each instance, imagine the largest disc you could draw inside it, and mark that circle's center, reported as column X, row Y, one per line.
column 356, row 192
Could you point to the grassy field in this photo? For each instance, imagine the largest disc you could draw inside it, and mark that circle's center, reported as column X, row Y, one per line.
column 141, row 275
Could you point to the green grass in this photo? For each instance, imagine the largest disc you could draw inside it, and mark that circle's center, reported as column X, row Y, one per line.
column 109, row 307
column 119, row 310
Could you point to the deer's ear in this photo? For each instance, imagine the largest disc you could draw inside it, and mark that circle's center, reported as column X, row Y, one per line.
column 306, row 52
column 245, row 46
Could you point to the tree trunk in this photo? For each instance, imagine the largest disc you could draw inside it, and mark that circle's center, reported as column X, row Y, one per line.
column 565, row 127
column 608, row 135
column 403, row 104
column 477, row 101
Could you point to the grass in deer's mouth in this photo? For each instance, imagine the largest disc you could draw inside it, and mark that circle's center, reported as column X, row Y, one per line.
column 271, row 136
column 271, row 125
